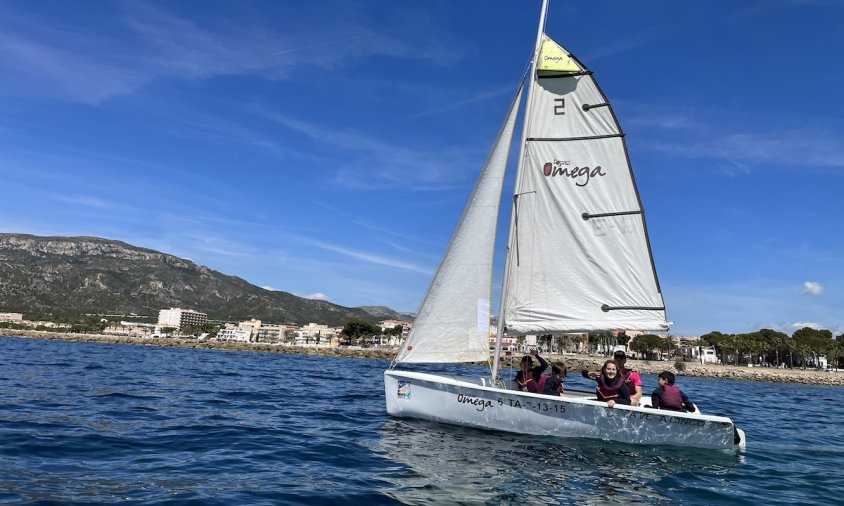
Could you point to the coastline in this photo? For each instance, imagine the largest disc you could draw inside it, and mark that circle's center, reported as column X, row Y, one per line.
column 574, row 363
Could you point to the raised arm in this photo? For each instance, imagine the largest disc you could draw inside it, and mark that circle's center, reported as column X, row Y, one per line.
column 543, row 364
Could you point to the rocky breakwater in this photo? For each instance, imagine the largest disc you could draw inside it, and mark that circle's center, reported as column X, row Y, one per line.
column 383, row 353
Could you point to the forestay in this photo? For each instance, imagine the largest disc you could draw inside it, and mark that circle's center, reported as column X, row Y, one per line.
column 568, row 270
column 452, row 324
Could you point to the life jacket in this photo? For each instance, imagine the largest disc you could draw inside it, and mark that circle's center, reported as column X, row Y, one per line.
column 671, row 398
column 627, row 376
column 543, row 380
column 527, row 382
column 541, row 387
column 606, row 392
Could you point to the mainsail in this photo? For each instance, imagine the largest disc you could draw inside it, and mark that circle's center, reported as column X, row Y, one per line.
column 579, row 257
column 452, row 324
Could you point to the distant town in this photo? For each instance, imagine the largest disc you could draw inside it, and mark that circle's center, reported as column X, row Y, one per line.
column 188, row 323
column 806, row 348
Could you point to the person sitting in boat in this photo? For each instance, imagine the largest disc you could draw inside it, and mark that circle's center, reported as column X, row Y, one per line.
column 527, row 379
column 611, row 388
column 630, row 377
column 668, row 396
column 552, row 384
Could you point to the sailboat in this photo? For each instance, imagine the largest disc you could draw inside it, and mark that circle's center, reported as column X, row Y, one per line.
column 578, row 259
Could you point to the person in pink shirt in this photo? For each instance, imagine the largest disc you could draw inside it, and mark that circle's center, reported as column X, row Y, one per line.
column 630, row 377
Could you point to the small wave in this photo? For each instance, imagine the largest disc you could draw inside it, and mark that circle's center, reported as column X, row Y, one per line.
column 252, row 396
column 122, row 395
column 168, row 426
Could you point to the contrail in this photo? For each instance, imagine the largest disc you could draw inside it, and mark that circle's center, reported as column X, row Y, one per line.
column 303, row 48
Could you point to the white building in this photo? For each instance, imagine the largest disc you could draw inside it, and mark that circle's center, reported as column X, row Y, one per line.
column 708, row 356
column 316, row 330
column 261, row 332
column 509, row 344
column 177, row 317
column 238, row 335
column 251, row 325
column 132, row 329
column 391, row 324
column 269, row 333
column 11, row 317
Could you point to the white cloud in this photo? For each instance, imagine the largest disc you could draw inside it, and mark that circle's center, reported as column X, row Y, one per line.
column 369, row 257
column 478, row 97
column 378, row 164
column 795, row 147
column 313, row 296
column 627, row 43
column 89, row 202
column 45, row 57
column 813, row 288
column 813, row 325
column 668, row 121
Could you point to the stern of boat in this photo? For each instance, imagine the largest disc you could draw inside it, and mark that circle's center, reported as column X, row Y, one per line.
column 739, row 439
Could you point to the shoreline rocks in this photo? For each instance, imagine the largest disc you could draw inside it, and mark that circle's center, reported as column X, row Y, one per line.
column 573, row 363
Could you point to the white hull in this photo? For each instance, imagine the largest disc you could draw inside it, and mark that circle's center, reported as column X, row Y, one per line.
column 474, row 403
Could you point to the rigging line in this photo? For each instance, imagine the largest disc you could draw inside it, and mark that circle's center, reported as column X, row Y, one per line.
column 522, row 154
column 516, row 223
column 516, row 196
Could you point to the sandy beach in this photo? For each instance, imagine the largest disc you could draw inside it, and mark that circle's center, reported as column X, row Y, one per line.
column 573, row 362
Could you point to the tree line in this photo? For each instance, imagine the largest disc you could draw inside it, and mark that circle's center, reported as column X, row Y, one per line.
column 356, row 332
column 803, row 348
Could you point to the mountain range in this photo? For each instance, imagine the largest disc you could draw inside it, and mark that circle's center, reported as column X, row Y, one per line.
column 90, row 275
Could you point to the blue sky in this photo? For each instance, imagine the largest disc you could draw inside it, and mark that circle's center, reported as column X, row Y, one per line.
column 327, row 148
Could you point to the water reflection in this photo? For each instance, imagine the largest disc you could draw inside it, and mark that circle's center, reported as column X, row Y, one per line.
column 443, row 463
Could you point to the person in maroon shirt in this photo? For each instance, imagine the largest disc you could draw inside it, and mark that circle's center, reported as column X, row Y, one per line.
column 668, row 396
column 527, row 379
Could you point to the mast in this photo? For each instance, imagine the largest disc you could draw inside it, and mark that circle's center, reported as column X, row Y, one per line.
column 500, row 327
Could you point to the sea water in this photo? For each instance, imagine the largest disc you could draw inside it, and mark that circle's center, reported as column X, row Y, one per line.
column 88, row 423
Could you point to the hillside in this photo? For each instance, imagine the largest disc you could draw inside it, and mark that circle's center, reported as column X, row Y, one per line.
column 76, row 275
column 385, row 313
